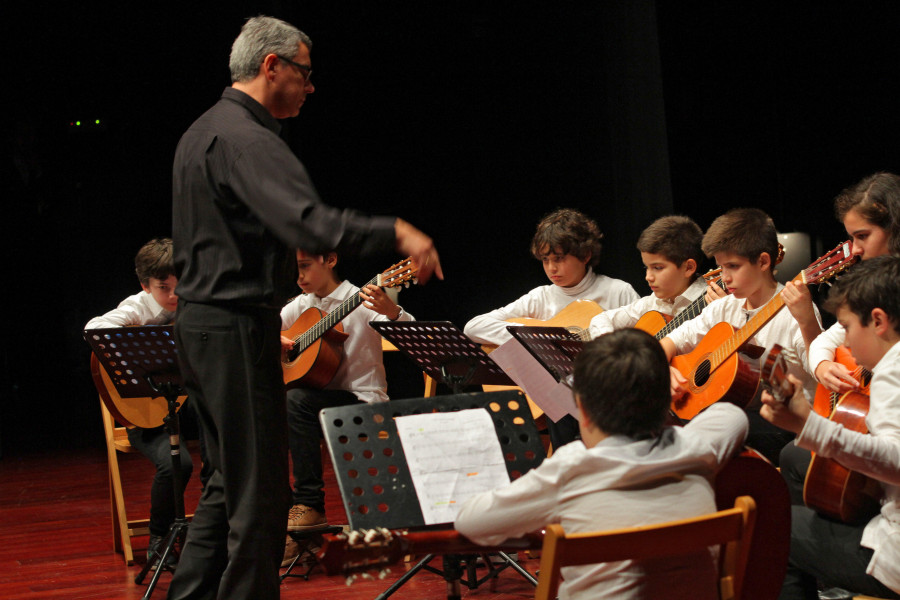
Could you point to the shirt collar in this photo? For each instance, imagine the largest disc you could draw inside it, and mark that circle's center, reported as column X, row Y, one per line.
column 256, row 109
column 159, row 313
column 579, row 288
column 889, row 357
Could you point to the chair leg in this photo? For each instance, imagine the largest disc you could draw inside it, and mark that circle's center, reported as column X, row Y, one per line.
column 121, row 530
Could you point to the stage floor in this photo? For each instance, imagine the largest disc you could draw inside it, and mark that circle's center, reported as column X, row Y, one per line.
column 56, row 537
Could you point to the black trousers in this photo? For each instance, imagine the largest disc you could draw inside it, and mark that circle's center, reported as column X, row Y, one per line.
column 822, row 550
column 229, row 359
column 154, row 444
column 304, row 433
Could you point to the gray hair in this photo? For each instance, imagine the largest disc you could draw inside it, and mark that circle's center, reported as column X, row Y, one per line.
column 259, row 37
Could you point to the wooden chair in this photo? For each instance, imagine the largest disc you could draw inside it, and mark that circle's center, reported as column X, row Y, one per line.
column 731, row 528
column 123, row 528
column 144, row 411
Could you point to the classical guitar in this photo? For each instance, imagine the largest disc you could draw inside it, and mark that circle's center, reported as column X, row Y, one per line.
column 825, row 400
column 833, row 490
column 659, row 325
column 830, row 488
column 318, row 337
column 716, row 369
column 145, row 413
column 376, row 549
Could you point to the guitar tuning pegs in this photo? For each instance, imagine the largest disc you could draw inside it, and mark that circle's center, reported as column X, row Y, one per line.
column 383, row 573
column 350, row 579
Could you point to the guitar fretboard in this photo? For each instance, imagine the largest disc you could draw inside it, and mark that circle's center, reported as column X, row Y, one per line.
column 753, row 325
column 329, row 320
column 693, row 310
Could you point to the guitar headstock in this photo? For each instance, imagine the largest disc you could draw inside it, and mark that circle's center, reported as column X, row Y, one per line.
column 713, row 276
column 774, row 373
column 402, row 273
column 830, row 265
column 362, row 550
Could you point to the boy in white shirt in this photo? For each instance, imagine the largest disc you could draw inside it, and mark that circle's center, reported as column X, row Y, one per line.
column 864, row 558
column 628, row 469
column 745, row 244
column 671, row 252
column 155, row 305
column 567, row 242
column 359, row 378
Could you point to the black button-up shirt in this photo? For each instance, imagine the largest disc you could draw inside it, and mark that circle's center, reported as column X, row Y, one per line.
column 241, row 199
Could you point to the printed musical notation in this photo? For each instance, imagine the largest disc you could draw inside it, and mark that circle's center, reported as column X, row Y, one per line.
column 451, row 456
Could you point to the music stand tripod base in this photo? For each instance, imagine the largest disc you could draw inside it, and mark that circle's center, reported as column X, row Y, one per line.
column 305, row 537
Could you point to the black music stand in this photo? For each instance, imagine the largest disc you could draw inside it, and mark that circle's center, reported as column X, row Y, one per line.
column 554, row 347
column 142, row 362
column 444, row 352
column 376, row 484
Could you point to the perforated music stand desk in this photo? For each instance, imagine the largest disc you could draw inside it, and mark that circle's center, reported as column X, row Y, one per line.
column 143, row 362
column 554, row 347
column 444, row 352
column 371, row 468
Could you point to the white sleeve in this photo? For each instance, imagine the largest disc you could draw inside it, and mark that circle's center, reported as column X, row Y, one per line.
column 722, row 429
column 490, row 328
column 876, row 455
column 688, row 334
column 292, row 311
column 824, row 346
column 127, row 314
column 526, row 505
column 617, row 318
column 404, row 316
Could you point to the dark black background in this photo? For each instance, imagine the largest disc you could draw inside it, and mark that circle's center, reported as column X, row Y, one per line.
column 469, row 119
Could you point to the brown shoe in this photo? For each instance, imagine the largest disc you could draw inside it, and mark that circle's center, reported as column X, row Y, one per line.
column 291, row 551
column 303, row 517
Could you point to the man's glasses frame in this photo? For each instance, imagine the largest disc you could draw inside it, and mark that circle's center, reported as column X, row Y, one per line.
column 306, row 69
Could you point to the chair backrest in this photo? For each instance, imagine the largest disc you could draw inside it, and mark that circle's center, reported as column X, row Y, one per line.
column 731, row 528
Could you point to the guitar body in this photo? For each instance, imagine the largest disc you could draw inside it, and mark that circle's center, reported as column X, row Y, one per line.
column 735, row 380
column 826, row 400
column 576, row 314
column 652, row 322
column 833, row 490
column 317, row 364
column 145, row 413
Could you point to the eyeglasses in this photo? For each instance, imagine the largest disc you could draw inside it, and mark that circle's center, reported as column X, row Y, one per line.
column 306, row 69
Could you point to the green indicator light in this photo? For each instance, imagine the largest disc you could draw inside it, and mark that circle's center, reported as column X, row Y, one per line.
column 77, row 123
column 97, row 122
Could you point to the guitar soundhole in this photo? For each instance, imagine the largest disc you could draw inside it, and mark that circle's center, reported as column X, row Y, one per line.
column 701, row 374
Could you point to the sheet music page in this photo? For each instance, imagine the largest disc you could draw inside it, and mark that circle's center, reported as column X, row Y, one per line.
column 554, row 398
column 452, row 456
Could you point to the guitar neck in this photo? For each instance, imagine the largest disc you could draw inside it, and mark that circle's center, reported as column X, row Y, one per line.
column 693, row 310
column 753, row 325
column 331, row 319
